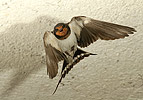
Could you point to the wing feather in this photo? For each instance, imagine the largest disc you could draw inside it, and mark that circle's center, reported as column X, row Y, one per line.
column 89, row 30
column 53, row 54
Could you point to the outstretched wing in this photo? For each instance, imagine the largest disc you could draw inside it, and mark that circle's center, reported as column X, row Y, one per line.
column 53, row 54
column 89, row 30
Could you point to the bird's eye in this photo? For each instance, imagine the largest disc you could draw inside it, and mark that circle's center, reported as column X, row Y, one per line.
column 56, row 30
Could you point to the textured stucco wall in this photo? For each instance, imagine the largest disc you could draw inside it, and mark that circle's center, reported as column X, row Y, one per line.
column 116, row 73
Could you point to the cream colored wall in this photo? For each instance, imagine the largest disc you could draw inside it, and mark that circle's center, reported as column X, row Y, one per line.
column 116, row 73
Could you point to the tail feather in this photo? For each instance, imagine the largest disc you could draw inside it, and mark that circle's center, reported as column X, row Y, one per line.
column 79, row 55
column 79, row 52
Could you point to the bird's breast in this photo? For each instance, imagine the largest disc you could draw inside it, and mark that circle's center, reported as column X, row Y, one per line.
column 69, row 44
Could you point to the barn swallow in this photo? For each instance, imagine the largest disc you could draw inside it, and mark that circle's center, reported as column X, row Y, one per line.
column 62, row 43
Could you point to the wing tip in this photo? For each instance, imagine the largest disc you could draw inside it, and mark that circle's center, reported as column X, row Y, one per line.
column 134, row 30
column 52, row 73
column 52, row 76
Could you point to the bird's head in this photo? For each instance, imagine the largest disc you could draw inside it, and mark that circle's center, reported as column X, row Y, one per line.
column 61, row 31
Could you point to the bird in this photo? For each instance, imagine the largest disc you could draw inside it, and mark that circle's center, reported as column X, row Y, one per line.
column 66, row 40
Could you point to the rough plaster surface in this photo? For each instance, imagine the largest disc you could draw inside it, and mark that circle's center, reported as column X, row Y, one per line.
column 116, row 73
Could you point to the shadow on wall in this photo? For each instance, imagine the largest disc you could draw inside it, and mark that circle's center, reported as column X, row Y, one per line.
column 22, row 51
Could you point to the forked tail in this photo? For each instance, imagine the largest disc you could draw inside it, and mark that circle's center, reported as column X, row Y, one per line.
column 78, row 56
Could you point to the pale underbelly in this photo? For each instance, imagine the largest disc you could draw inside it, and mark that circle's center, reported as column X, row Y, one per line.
column 69, row 45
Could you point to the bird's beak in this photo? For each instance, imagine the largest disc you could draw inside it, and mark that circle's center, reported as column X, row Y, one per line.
column 61, row 30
